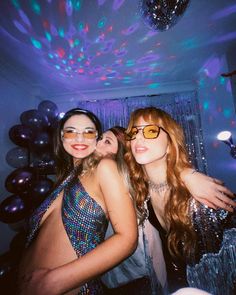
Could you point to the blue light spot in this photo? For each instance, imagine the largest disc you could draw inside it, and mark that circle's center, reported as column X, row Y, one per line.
column 102, row 22
column 48, row 36
column 205, row 105
column 154, row 85
column 76, row 42
column 61, row 32
column 222, row 80
column 16, row 4
column 36, row 43
column 80, row 26
column 130, row 63
column 76, row 5
column 227, row 113
column 35, row 7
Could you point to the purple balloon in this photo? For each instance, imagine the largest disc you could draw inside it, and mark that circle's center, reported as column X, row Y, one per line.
column 34, row 119
column 13, row 209
column 48, row 108
column 41, row 142
column 19, row 180
column 18, row 157
column 43, row 162
column 6, row 265
column 40, row 189
column 21, row 135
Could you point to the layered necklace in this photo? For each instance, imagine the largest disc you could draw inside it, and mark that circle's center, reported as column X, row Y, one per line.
column 158, row 187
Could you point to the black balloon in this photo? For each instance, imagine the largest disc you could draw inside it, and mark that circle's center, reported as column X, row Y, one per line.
column 17, row 157
column 41, row 142
column 40, row 188
column 34, row 119
column 19, row 180
column 6, row 265
column 43, row 162
column 21, row 135
column 160, row 15
column 13, row 209
column 49, row 109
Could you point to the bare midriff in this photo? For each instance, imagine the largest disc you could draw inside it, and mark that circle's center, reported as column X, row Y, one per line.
column 51, row 248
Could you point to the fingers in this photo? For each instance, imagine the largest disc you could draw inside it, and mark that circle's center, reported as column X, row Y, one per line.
column 224, row 202
column 225, row 191
column 217, row 181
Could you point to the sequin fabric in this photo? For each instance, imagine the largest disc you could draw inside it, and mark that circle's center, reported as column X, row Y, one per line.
column 84, row 220
column 212, row 266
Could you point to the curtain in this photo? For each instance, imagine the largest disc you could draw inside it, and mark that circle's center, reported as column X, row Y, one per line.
column 183, row 107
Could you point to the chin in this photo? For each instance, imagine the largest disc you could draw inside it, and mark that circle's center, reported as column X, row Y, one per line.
column 141, row 160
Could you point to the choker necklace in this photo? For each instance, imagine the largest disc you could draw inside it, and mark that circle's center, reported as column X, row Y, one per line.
column 158, row 187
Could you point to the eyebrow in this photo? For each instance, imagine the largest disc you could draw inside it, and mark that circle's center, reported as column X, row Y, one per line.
column 71, row 127
column 108, row 137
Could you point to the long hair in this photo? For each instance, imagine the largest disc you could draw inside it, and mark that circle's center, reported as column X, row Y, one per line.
column 180, row 233
column 64, row 161
column 119, row 133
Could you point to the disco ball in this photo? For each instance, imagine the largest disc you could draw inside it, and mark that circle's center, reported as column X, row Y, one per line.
column 160, row 15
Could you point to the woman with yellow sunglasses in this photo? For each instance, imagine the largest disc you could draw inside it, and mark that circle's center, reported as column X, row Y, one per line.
column 199, row 243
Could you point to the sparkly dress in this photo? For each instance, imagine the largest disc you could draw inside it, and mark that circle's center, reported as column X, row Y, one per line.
column 84, row 221
column 212, row 264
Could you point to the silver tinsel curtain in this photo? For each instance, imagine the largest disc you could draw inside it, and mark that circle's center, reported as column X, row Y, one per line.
column 183, row 107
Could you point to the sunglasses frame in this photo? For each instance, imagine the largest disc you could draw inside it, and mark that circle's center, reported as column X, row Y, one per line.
column 75, row 131
column 142, row 127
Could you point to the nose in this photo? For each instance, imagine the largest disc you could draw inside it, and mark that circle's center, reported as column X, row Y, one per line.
column 139, row 135
column 80, row 137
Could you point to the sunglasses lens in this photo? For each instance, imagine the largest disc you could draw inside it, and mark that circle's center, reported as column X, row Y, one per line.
column 90, row 134
column 151, row 131
column 72, row 134
column 69, row 134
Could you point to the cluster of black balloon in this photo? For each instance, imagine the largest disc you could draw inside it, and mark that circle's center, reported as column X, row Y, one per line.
column 33, row 161
column 32, row 157
column 160, row 15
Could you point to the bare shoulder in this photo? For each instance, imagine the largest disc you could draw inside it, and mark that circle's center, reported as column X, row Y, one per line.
column 106, row 165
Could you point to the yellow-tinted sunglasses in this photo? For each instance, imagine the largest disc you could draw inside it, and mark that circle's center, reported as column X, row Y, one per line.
column 149, row 131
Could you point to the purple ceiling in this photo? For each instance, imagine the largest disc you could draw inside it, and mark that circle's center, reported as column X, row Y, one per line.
column 105, row 44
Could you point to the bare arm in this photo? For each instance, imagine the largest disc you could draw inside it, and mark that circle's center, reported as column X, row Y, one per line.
column 207, row 190
column 106, row 255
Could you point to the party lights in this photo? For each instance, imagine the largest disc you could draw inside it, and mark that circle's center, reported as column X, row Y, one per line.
column 226, row 137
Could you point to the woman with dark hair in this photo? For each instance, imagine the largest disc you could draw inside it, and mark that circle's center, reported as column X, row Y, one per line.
column 66, row 250
column 199, row 243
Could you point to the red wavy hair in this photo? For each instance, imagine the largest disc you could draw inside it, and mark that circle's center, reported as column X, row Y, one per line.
column 181, row 236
